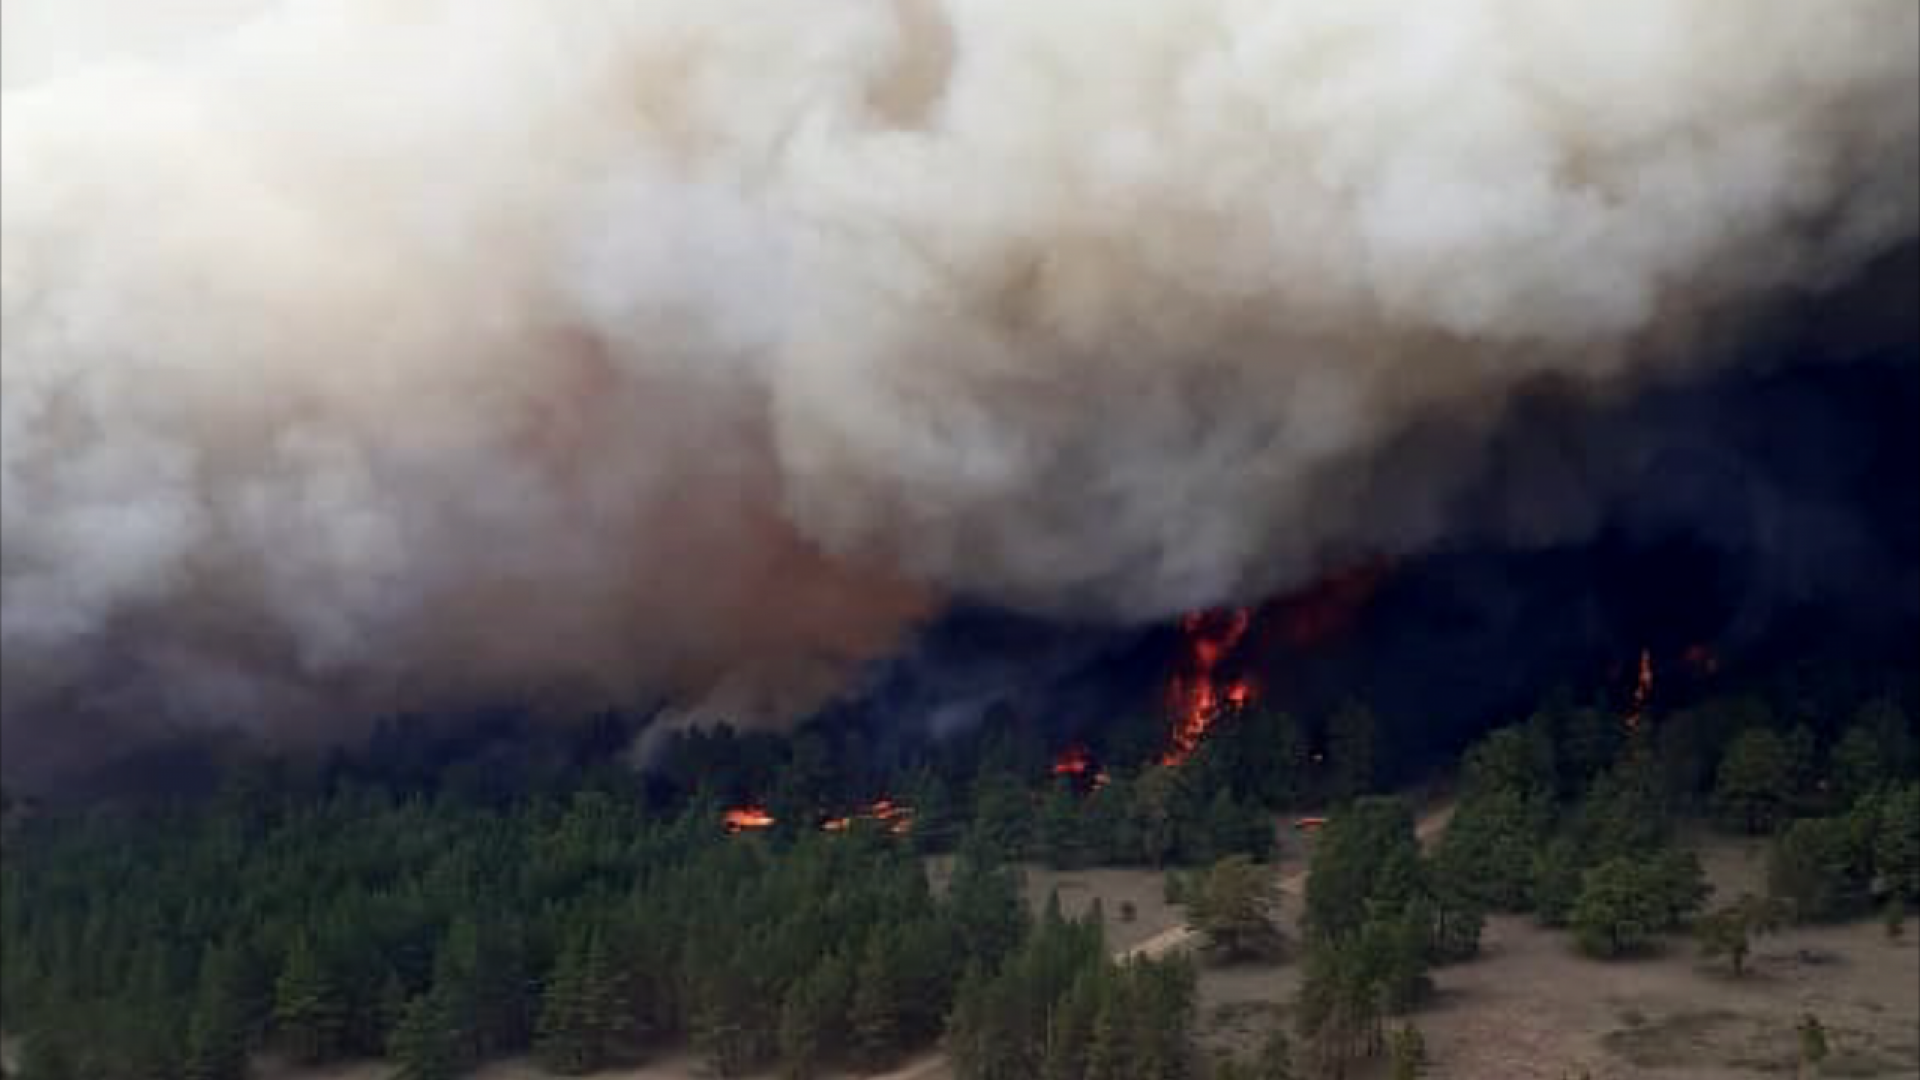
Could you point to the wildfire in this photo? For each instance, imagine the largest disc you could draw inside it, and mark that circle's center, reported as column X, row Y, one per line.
column 895, row 817
column 1196, row 696
column 1075, row 760
column 1330, row 606
column 1076, row 764
column 747, row 818
column 1642, row 688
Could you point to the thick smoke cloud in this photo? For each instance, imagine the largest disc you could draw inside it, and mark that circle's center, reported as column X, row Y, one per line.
column 363, row 354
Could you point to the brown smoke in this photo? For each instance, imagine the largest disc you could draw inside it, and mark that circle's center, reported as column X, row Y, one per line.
column 363, row 354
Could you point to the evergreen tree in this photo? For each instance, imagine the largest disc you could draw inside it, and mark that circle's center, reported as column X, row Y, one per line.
column 1275, row 1061
column 1234, row 904
column 810, row 1019
column 1856, row 766
column 309, row 1010
column 1822, row 867
column 1367, row 858
column 1619, row 908
column 1407, row 1054
column 984, row 902
column 1057, row 831
column 1896, row 844
column 579, row 1013
column 1755, row 781
column 875, row 1017
column 1729, row 931
column 1813, row 1044
column 217, row 1026
column 423, row 1043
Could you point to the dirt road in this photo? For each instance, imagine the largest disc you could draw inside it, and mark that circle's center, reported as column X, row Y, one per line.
column 934, row 1066
column 1430, row 825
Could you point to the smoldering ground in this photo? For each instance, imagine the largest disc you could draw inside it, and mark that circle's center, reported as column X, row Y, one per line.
column 364, row 355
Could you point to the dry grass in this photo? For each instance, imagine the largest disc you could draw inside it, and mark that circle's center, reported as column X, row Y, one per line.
column 1530, row 1008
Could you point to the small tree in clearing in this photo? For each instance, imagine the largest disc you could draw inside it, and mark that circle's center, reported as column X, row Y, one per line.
column 1729, row 931
column 1813, row 1045
column 1234, row 905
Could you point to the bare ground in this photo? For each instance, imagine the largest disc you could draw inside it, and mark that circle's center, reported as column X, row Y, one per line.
column 1529, row 1008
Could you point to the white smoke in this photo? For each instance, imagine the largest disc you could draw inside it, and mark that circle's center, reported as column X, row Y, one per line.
column 362, row 354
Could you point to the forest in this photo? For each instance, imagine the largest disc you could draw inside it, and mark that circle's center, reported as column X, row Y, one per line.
column 444, row 913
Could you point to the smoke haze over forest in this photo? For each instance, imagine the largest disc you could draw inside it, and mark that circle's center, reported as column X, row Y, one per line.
column 368, row 356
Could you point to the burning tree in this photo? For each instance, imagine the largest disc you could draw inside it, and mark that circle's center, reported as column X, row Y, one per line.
column 1197, row 695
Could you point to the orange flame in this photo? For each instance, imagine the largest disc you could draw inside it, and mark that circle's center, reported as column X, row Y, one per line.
column 1642, row 689
column 1195, row 696
column 896, row 817
column 745, row 818
column 1075, row 760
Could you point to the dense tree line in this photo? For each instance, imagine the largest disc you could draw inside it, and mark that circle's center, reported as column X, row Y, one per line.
column 1062, row 1009
column 1379, row 916
column 1571, row 814
column 174, row 945
column 444, row 905
column 578, row 913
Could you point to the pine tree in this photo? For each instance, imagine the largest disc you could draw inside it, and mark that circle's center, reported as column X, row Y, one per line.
column 308, row 1008
column 1234, row 904
column 217, row 1034
column 1755, row 780
column 565, row 1042
column 1813, row 1044
column 876, row 1009
column 1276, row 1058
column 423, row 1044
column 801, row 1031
column 582, row 1010
column 1407, row 1054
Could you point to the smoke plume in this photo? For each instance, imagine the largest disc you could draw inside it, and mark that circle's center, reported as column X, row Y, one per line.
column 366, row 354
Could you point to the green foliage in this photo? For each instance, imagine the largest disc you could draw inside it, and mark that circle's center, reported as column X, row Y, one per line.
column 1896, row 844
column 1857, row 765
column 1407, row 1054
column 1366, row 858
column 1234, row 904
column 1061, row 1008
column 1556, row 881
column 1625, row 902
column 876, row 1018
column 984, row 898
column 1822, row 868
column 1755, row 783
column 1813, row 1040
column 309, row 1009
column 1374, row 926
column 422, row 1046
column 460, row 914
column 581, row 1010
column 220, row 1024
column 1729, row 931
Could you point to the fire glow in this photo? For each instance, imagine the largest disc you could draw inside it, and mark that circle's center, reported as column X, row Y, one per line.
column 1331, row 606
column 1197, row 696
column 1642, row 689
column 748, row 819
column 894, row 816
